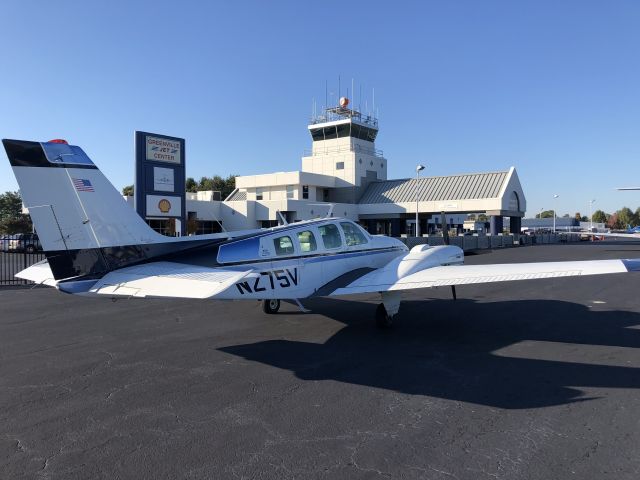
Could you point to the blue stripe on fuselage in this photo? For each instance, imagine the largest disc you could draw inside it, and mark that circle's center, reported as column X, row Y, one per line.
column 342, row 255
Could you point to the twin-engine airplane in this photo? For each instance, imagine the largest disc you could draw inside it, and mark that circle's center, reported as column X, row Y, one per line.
column 96, row 245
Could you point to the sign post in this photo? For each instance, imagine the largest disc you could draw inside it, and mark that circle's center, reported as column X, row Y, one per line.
column 160, row 178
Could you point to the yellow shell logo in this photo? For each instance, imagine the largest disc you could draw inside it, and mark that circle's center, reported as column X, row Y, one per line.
column 164, row 205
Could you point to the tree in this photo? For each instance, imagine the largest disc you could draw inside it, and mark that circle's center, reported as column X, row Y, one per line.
column 12, row 220
column 483, row 218
column 625, row 217
column 10, row 205
column 191, row 185
column 22, row 224
column 471, row 216
column 599, row 216
column 545, row 214
column 578, row 217
column 566, row 215
column 613, row 221
column 223, row 185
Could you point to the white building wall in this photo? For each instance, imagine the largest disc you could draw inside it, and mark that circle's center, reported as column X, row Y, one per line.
column 205, row 210
column 238, row 215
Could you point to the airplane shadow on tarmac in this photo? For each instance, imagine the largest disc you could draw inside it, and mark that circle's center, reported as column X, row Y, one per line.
column 447, row 349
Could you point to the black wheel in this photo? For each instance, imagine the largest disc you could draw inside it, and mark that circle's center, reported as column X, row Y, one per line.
column 270, row 306
column 383, row 319
column 30, row 249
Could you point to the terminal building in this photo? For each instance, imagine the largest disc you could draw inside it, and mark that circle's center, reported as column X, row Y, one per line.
column 346, row 175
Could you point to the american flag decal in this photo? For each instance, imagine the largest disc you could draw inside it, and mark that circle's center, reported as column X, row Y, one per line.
column 83, row 185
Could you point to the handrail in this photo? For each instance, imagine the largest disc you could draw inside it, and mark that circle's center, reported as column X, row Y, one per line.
column 341, row 149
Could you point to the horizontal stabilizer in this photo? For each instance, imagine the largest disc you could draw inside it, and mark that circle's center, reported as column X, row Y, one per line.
column 39, row 273
column 166, row 280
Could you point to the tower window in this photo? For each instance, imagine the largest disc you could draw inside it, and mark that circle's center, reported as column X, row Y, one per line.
column 289, row 191
column 339, row 165
column 305, row 192
column 259, row 193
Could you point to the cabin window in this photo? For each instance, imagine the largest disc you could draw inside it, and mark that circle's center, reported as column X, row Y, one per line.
column 259, row 194
column 289, row 191
column 305, row 192
column 352, row 234
column 307, row 241
column 330, row 236
column 284, row 245
column 339, row 165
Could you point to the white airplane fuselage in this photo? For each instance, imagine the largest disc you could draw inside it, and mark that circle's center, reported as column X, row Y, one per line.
column 305, row 275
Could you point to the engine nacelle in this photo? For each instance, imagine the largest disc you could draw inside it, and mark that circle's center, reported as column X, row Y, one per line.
column 422, row 257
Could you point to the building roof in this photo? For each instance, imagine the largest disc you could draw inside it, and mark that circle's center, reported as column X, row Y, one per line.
column 432, row 189
column 237, row 196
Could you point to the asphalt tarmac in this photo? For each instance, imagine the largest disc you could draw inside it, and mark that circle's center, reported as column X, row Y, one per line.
column 535, row 379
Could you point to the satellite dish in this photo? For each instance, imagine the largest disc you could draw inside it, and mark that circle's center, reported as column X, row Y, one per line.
column 344, row 101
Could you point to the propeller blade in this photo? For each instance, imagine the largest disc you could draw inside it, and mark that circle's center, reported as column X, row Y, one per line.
column 453, row 292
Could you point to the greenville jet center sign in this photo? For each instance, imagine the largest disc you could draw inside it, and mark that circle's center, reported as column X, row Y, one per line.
column 163, row 149
column 160, row 178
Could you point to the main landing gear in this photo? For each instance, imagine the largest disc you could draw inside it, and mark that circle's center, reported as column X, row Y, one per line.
column 383, row 319
column 388, row 308
column 270, row 306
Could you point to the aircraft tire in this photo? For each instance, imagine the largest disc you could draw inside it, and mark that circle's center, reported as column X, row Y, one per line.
column 383, row 320
column 270, row 306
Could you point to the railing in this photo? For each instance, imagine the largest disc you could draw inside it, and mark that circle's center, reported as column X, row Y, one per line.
column 343, row 148
column 16, row 259
column 338, row 113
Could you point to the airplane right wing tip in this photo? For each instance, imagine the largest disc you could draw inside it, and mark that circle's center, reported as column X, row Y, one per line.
column 631, row 264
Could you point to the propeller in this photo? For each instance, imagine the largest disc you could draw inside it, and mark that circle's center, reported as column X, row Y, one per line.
column 445, row 238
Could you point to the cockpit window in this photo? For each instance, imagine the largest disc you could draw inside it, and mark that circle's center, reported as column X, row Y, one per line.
column 352, row 234
column 307, row 241
column 284, row 245
column 330, row 236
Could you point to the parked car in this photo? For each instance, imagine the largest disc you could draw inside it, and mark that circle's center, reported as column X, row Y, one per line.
column 4, row 243
column 24, row 242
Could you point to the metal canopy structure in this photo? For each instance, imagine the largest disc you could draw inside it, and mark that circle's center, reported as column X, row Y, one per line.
column 496, row 193
column 454, row 187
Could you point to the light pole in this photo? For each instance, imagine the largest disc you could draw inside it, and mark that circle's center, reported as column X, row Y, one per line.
column 418, row 169
column 591, row 214
column 554, row 213
column 541, row 227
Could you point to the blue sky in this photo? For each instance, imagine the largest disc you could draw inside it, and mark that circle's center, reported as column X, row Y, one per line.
column 552, row 88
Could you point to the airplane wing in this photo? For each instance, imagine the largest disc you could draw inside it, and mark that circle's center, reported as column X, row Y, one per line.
column 163, row 280
column 382, row 280
column 39, row 273
column 635, row 236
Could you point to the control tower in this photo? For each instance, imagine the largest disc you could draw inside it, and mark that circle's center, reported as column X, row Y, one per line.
column 344, row 147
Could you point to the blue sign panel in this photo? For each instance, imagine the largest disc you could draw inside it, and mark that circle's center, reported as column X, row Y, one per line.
column 160, row 178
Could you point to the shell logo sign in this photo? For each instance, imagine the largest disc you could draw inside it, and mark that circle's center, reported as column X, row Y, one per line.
column 164, row 205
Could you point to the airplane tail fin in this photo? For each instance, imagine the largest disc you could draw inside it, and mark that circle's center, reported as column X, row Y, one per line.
column 72, row 204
